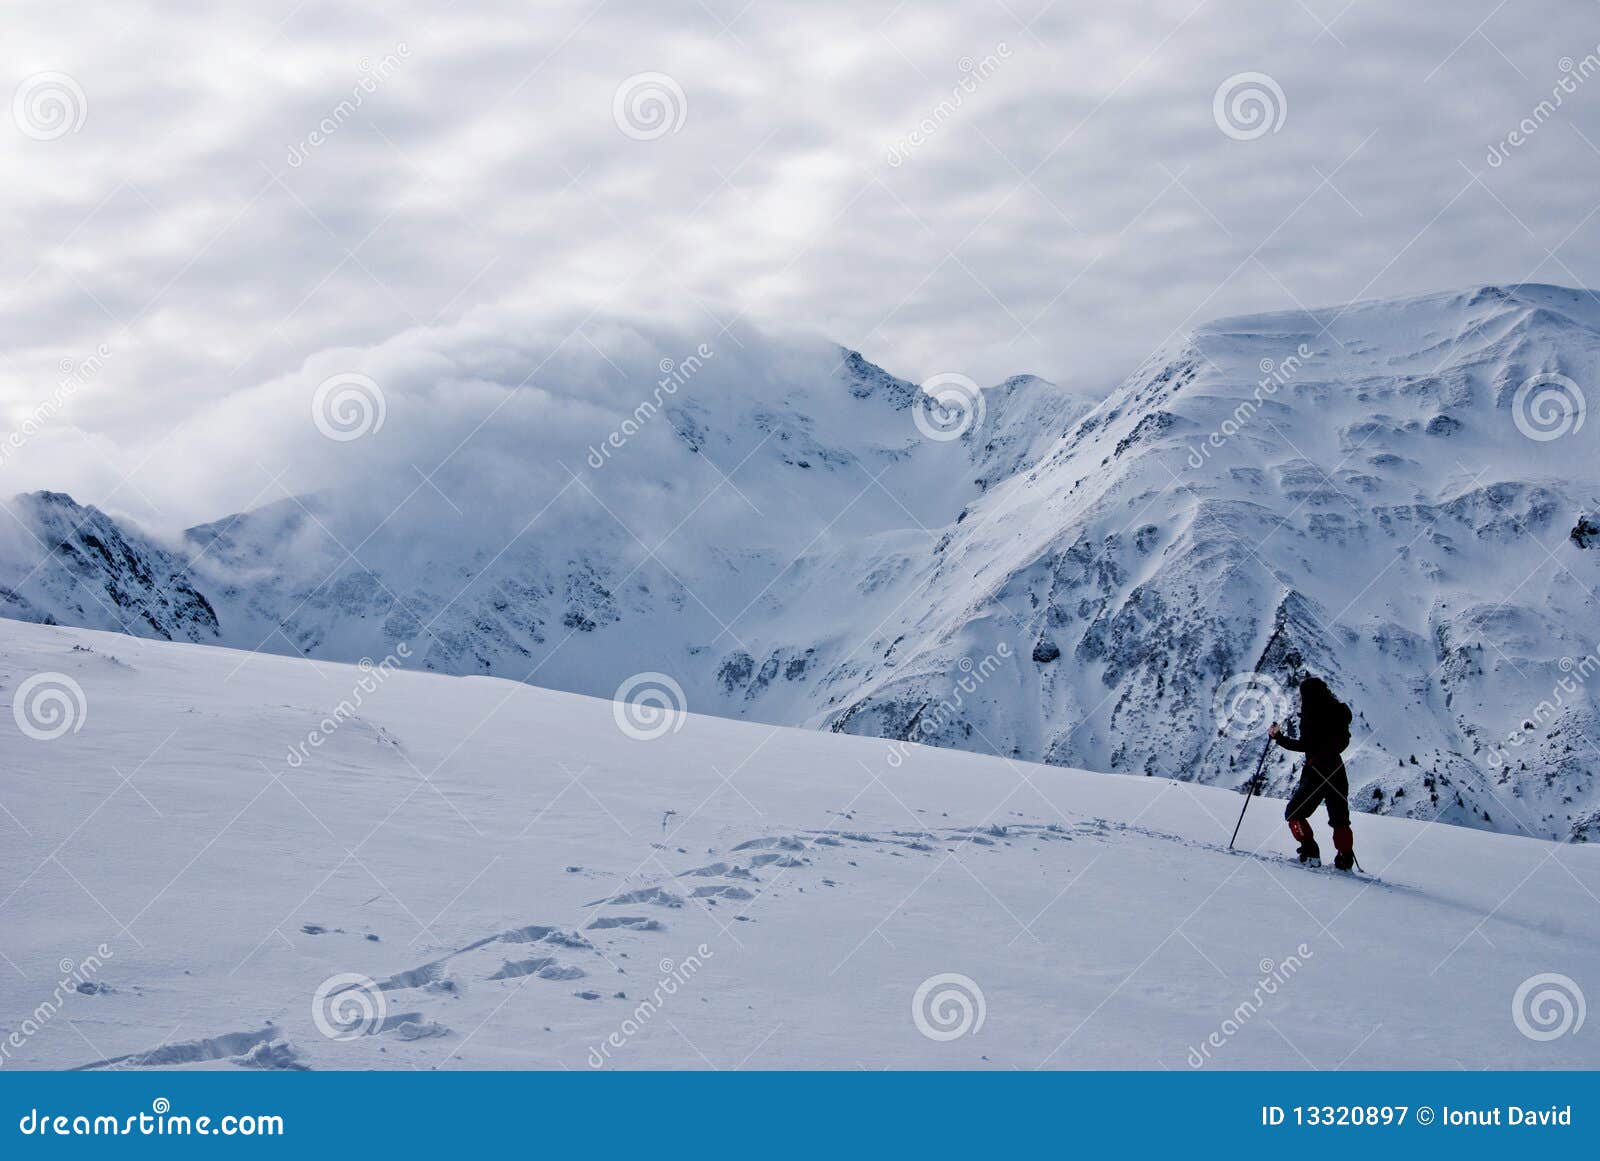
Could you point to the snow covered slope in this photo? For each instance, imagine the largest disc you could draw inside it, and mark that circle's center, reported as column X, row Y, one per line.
column 1365, row 478
column 211, row 863
column 1079, row 585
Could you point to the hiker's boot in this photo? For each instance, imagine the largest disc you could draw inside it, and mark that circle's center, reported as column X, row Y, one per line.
column 1310, row 854
column 1345, row 844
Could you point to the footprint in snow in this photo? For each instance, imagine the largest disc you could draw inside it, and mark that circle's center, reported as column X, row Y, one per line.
column 783, row 842
column 420, row 1029
column 656, row 895
column 562, row 972
column 563, row 939
column 710, row 870
column 629, row 922
column 273, row 1055
column 516, row 969
column 776, row 860
column 544, row 966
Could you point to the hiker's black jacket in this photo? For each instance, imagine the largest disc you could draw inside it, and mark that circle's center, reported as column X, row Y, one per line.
column 1324, row 730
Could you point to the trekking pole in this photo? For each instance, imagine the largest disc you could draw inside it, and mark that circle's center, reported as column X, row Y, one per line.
column 1251, row 793
column 1262, row 761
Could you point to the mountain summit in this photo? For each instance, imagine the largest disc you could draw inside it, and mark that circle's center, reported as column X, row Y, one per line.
column 1393, row 495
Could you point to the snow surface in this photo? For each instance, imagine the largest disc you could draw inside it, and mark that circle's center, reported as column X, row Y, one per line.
column 780, row 538
column 490, row 854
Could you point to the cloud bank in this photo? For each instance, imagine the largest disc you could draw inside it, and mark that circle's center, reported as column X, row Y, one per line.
column 209, row 212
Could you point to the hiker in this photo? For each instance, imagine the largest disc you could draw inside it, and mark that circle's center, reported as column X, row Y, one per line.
column 1324, row 735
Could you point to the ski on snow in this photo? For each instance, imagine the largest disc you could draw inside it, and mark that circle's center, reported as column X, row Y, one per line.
column 1323, row 869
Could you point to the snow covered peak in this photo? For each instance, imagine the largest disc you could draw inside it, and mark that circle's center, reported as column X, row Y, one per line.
column 72, row 564
column 1396, row 484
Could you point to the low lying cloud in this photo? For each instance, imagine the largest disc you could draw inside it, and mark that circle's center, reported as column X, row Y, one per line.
column 483, row 422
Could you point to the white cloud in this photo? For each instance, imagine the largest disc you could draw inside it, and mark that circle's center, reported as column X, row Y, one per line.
column 1077, row 207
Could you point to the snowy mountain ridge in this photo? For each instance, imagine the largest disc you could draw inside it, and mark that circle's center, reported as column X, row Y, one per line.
column 1400, row 488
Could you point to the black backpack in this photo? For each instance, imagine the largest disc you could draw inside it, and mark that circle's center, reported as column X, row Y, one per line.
column 1340, row 731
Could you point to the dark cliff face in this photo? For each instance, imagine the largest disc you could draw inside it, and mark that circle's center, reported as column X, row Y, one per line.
column 91, row 571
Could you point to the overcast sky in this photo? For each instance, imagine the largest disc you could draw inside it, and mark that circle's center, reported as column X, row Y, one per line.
column 215, row 194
